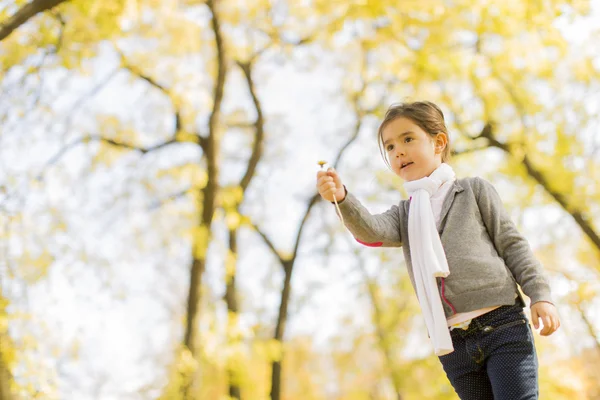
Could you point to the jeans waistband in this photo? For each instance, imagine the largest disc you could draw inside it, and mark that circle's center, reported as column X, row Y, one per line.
column 478, row 322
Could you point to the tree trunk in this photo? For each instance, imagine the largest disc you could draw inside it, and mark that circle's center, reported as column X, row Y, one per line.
column 280, row 329
column 232, row 307
column 210, row 146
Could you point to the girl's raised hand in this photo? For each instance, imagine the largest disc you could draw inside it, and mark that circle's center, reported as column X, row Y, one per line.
column 330, row 184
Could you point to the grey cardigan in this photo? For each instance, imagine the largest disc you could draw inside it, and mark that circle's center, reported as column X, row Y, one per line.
column 486, row 254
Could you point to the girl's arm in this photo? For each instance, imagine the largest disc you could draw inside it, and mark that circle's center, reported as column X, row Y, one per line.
column 371, row 230
column 510, row 244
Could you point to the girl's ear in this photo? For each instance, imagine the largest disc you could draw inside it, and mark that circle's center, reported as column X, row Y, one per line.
column 441, row 140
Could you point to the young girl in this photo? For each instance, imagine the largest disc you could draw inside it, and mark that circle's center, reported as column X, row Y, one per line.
column 464, row 256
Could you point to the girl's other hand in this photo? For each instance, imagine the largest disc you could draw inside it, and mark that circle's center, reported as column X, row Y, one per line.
column 549, row 315
column 330, row 184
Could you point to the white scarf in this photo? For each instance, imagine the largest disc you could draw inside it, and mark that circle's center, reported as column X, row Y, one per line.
column 427, row 255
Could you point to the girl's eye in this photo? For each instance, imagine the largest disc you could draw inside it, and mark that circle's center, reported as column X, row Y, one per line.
column 408, row 139
column 390, row 147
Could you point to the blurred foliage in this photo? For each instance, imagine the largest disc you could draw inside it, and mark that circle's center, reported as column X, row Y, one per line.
column 101, row 187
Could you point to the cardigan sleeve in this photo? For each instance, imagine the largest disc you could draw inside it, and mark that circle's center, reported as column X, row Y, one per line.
column 372, row 230
column 510, row 244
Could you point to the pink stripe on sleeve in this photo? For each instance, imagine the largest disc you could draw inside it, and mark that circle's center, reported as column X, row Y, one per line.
column 375, row 244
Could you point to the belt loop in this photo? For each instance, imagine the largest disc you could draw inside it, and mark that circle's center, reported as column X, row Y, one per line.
column 476, row 324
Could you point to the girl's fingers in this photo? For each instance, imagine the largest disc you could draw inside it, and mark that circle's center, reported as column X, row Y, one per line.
column 336, row 178
column 535, row 318
column 324, row 179
column 549, row 320
column 548, row 326
column 555, row 323
column 325, row 186
column 322, row 185
column 552, row 322
column 328, row 184
column 324, row 182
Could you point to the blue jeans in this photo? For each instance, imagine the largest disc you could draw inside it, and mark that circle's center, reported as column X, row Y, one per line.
column 494, row 358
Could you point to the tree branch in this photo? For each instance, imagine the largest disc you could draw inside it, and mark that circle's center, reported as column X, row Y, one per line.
column 359, row 115
column 211, row 151
column 172, row 197
column 469, row 150
column 258, row 125
column 25, row 13
column 88, row 139
column 584, row 223
column 315, row 198
column 54, row 50
column 288, row 265
column 136, row 71
column 487, row 133
column 268, row 242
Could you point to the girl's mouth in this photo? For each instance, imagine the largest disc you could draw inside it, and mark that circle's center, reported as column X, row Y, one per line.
column 405, row 165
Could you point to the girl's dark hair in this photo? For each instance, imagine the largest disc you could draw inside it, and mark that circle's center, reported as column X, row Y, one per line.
column 425, row 114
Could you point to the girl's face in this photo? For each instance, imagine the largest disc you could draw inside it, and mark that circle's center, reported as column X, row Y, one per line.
column 413, row 153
